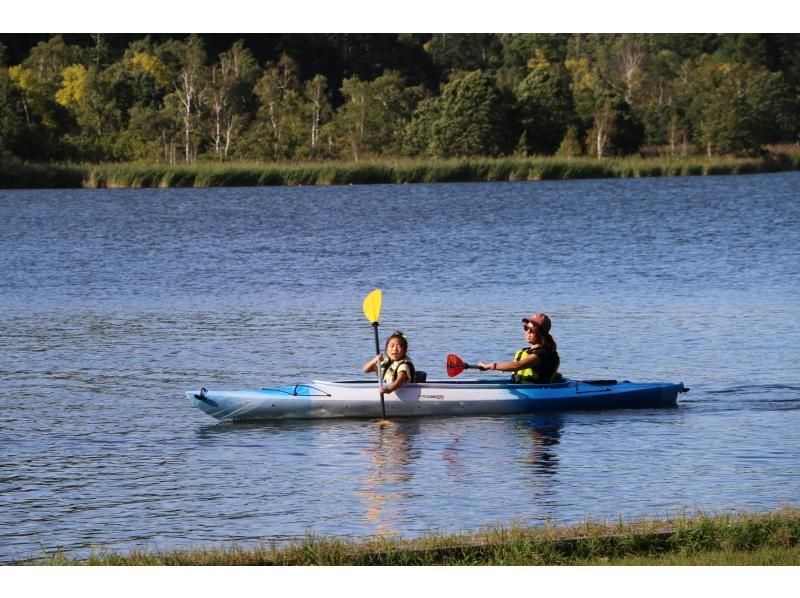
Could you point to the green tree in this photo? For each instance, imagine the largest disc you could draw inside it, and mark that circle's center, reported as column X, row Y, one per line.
column 374, row 116
column 418, row 134
column 38, row 78
column 466, row 51
column 96, row 96
column 523, row 51
column 231, row 82
column 141, row 77
column 12, row 119
column 664, row 98
column 472, row 119
column 152, row 134
column 599, row 85
column 137, row 85
column 318, row 111
column 190, row 80
column 773, row 108
column 570, row 146
column 280, row 111
column 743, row 48
column 603, row 121
column 746, row 108
column 84, row 93
column 615, row 129
column 544, row 103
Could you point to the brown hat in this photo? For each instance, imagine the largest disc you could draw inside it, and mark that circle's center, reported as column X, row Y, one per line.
column 540, row 320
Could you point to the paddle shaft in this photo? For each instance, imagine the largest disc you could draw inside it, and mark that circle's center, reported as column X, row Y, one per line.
column 455, row 365
column 378, row 365
column 466, row 366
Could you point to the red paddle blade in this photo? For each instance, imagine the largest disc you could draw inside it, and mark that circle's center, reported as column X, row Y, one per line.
column 454, row 365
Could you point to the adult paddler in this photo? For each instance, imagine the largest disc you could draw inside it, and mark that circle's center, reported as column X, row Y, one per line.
column 537, row 363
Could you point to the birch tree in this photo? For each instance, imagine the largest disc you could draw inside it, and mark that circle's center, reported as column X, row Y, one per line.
column 279, row 92
column 602, row 127
column 375, row 114
column 319, row 110
column 545, row 105
column 189, row 85
column 630, row 56
column 230, row 82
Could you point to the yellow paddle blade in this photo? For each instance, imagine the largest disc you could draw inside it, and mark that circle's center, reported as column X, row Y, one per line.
column 372, row 306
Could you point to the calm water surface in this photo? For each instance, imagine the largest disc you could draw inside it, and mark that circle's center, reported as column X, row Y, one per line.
column 115, row 302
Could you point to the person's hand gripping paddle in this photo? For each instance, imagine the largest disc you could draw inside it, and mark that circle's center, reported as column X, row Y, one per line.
column 455, row 366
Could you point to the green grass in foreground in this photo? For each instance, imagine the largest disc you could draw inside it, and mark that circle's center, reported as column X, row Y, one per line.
column 719, row 540
column 245, row 174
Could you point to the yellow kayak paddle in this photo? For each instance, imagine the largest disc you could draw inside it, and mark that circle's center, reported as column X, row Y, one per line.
column 372, row 309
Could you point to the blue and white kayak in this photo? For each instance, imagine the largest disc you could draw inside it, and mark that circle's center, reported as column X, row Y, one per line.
column 321, row 399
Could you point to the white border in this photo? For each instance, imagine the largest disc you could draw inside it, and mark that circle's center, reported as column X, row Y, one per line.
column 399, row 582
column 359, row 16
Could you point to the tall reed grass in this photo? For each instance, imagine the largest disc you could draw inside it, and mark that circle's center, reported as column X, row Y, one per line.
column 245, row 174
column 15, row 174
column 419, row 171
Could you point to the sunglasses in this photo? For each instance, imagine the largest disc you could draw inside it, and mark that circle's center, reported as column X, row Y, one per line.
column 530, row 327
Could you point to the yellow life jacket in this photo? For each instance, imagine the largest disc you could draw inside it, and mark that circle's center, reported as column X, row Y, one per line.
column 541, row 373
column 391, row 369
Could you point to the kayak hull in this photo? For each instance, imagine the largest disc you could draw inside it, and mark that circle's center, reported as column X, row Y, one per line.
column 321, row 399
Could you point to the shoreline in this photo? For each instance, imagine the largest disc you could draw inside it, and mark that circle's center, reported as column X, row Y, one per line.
column 21, row 175
column 742, row 539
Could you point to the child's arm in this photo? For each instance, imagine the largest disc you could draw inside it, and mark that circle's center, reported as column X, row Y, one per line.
column 372, row 364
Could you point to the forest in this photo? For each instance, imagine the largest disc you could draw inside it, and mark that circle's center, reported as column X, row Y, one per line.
column 293, row 98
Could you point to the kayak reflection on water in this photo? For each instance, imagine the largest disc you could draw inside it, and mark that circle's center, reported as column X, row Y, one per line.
column 544, row 432
column 391, row 455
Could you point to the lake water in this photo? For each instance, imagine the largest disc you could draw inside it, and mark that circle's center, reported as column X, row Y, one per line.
column 113, row 303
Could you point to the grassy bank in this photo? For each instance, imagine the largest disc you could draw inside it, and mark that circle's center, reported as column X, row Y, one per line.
column 244, row 174
column 772, row 539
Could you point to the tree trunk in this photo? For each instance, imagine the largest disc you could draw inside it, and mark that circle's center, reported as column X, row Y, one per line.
column 25, row 108
column 673, row 134
column 602, row 128
column 316, row 118
column 186, row 96
column 228, row 134
column 601, row 141
column 274, row 120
